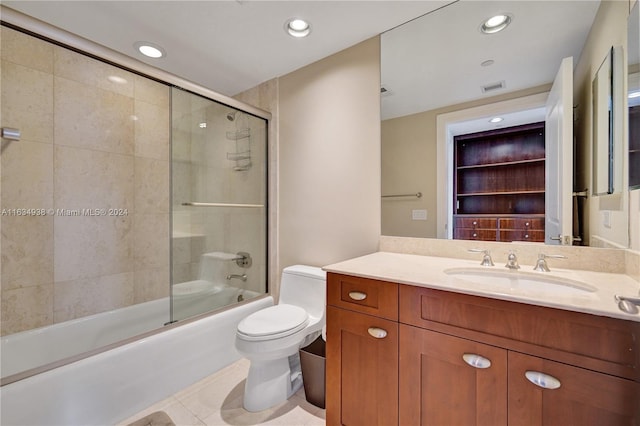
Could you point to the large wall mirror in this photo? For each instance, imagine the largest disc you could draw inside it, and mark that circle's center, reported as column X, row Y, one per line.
column 443, row 67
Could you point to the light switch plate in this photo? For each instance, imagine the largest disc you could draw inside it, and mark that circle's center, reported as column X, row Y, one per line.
column 419, row 214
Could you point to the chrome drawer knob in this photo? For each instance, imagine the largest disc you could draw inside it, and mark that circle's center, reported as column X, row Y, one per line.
column 542, row 380
column 476, row 361
column 357, row 295
column 378, row 333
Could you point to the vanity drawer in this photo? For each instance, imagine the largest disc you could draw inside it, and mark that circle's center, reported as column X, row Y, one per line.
column 600, row 343
column 475, row 234
column 531, row 223
column 475, row 222
column 373, row 297
column 509, row 235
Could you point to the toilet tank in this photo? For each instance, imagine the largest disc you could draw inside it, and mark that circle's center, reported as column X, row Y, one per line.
column 304, row 286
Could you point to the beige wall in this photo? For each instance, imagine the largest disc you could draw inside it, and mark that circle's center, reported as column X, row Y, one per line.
column 329, row 158
column 609, row 29
column 87, row 143
column 409, row 164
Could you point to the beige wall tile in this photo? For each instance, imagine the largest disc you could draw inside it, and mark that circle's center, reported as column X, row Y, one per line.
column 181, row 273
column 181, row 249
column 152, row 183
column 151, row 284
column 90, row 117
column 152, row 131
column 25, row 50
column 88, row 179
column 152, row 92
column 79, row 298
column 27, row 175
column 151, row 241
column 91, row 72
column 26, row 308
column 27, row 252
column 27, row 102
column 87, row 247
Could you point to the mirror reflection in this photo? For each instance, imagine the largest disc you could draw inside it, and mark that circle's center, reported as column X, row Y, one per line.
column 603, row 127
column 474, row 83
column 633, row 96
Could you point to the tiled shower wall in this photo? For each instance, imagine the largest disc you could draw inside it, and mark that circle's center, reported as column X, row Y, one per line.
column 93, row 137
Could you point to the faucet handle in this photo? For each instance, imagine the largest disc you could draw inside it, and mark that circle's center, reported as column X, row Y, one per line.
column 486, row 259
column 541, row 264
column 512, row 260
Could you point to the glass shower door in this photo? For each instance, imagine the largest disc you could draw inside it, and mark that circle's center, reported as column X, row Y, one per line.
column 219, row 205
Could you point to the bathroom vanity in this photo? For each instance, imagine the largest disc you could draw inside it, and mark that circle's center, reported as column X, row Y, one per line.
column 410, row 342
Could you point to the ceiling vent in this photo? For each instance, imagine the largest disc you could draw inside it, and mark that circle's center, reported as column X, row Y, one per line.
column 493, row 86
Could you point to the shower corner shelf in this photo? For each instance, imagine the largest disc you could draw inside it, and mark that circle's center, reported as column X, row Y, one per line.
column 239, row 134
column 242, row 155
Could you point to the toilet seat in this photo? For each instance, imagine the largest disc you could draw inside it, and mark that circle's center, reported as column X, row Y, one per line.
column 273, row 322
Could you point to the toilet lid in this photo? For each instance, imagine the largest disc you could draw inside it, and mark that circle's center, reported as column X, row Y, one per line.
column 275, row 320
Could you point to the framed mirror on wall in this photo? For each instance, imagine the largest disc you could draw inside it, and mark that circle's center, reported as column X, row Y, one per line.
column 607, row 124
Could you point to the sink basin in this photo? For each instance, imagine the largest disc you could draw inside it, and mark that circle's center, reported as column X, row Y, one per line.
column 520, row 280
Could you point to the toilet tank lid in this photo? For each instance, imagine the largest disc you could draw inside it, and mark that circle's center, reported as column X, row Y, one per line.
column 306, row 271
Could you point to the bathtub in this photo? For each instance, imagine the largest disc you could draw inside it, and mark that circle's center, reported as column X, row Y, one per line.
column 110, row 386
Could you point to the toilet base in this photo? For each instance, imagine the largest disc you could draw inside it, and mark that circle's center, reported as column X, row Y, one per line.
column 271, row 382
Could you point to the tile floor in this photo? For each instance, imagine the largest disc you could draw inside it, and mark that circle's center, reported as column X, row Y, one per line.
column 217, row 400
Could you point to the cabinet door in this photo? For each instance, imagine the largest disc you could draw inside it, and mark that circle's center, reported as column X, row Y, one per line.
column 362, row 369
column 567, row 395
column 446, row 380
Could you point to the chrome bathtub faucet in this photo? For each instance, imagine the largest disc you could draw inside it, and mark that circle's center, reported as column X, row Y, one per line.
column 242, row 277
column 512, row 261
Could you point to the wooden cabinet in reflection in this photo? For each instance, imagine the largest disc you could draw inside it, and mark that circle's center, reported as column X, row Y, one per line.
column 499, row 184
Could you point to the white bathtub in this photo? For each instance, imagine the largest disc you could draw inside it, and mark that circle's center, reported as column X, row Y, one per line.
column 113, row 385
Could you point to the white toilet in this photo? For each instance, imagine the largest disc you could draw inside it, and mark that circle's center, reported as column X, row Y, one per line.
column 271, row 337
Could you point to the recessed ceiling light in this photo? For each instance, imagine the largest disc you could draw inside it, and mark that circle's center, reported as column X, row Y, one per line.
column 495, row 23
column 150, row 50
column 297, row 27
column 487, row 63
column 496, row 120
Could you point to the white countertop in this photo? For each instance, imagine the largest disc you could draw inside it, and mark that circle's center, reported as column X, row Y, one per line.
column 429, row 271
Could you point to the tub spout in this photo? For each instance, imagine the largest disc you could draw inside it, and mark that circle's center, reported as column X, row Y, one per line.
column 242, row 277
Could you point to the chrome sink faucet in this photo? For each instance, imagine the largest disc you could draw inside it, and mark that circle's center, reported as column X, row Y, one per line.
column 512, row 261
column 486, row 259
column 541, row 264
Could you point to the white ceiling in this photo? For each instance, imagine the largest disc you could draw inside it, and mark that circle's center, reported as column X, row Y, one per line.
column 227, row 46
column 230, row 46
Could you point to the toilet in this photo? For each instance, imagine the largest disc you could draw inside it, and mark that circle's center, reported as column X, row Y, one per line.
column 270, row 338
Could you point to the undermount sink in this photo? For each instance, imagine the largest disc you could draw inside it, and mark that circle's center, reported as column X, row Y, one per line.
column 520, row 280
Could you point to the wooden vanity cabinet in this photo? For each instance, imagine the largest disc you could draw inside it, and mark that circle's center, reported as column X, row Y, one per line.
column 594, row 359
column 438, row 387
column 456, row 359
column 362, row 352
